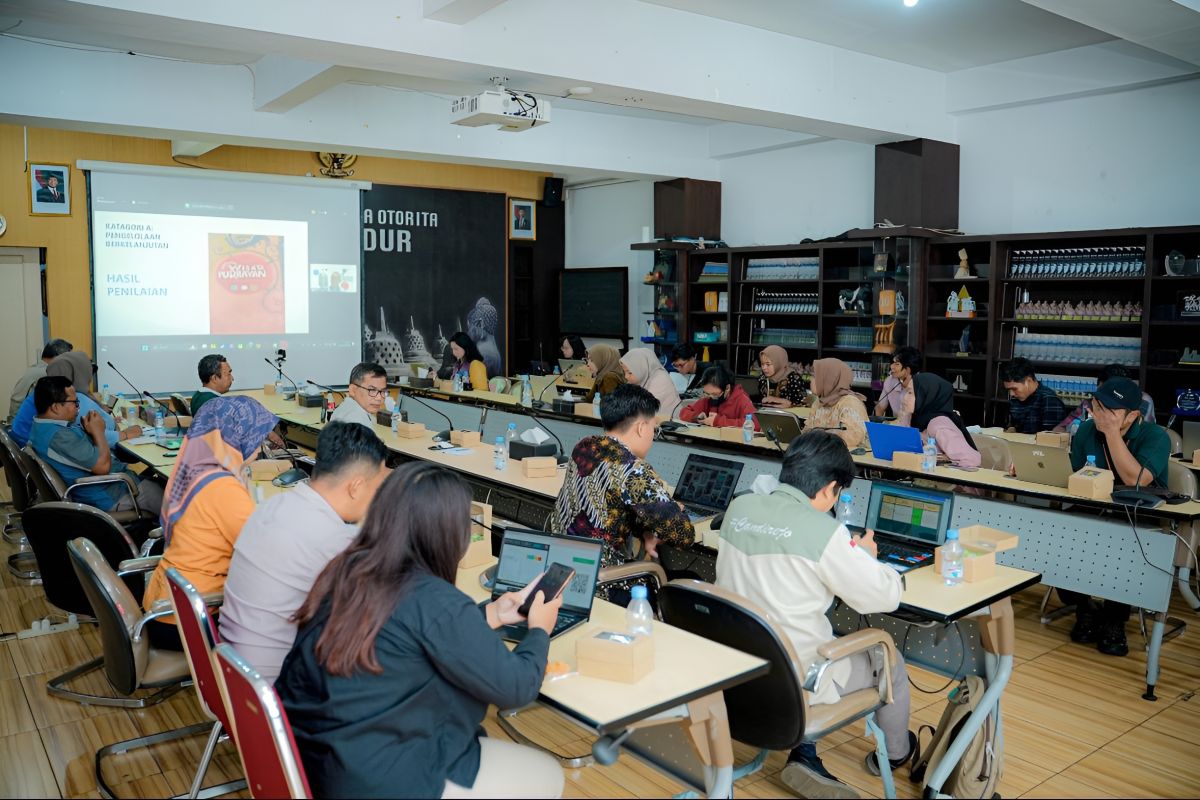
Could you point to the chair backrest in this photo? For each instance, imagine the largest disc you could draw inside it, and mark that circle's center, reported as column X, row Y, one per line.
column 767, row 712
column 181, row 405
column 1181, row 478
column 260, row 726
column 1176, row 439
column 994, row 452
column 50, row 526
column 499, row 384
column 117, row 612
column 16, row 471
column 200, row 637
column 46, row 480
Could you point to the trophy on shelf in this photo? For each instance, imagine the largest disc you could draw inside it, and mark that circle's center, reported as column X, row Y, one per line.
column 960, row 304
column 964, row 342
column 964, row 269
column 885, row 332
column 901, row 303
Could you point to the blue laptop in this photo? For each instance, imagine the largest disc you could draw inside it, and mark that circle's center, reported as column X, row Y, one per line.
column 889, row 439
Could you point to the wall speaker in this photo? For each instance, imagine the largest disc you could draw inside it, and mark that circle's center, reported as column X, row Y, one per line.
column 552, row 193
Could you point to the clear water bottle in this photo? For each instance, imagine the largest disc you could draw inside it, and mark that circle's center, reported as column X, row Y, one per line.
column 511, row 434
column 458, row 382
column 596, row 404
column 500, row 454
column 929, row 455
column 952, row 559
column 557, row 371
column 639, row 617
column 526, row 392
column 160, row 428
column 748, row 429
column 1091, row 462
column 395, row 422
column 1074, row 429
column 104, row 395
column 845, row 509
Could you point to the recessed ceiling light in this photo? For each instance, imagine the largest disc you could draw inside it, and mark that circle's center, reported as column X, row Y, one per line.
column 910, row 3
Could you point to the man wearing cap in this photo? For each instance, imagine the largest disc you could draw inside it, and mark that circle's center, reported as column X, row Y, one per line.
column 1136, row 452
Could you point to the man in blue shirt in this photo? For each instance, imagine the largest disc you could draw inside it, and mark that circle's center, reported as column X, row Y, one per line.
column 22, row 422
column 77, row 452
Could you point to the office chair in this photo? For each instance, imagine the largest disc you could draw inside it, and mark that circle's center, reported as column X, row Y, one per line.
column 180, row 405
column 21, row 564
column 51, row 486
column 994, row 451
column 1176, row 440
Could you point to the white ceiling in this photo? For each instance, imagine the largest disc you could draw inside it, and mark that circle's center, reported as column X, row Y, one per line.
column 942, row 35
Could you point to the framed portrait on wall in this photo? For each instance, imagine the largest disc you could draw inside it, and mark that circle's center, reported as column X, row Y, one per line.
column 49, row 189
column 522, row 219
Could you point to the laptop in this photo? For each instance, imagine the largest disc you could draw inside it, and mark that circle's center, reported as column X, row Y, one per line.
column 889, row 439
column 778, row 426
column 707, row 485
column 525, row 554
column 572, row 369
column 1050, row 466
column 1191, row 439
column 909, row 523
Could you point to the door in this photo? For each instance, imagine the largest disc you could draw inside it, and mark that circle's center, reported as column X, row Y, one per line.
column 20, row 316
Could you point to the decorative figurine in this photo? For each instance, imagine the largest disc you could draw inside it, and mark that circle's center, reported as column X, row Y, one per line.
column 952, row 304
column 964, row 342
column 901, row 303
column 964, row 269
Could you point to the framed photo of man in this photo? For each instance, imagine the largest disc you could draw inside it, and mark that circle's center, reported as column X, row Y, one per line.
column 49, row 189
column 522, row 219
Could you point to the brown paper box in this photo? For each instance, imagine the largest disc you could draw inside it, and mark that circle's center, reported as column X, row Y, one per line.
column 465, row 438
column 583, row 410
column 615, row 656
column 479, row 550
column 268, row 388
column 539, row 466
column 266, row 470
column 1196, row 458
column 1052, row 439
column 1091, row 482
column 980, row 545
column 910, row 461
column 730, row 434
column 410, row 430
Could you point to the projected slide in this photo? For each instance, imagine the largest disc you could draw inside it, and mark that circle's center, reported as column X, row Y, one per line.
column 184, row 266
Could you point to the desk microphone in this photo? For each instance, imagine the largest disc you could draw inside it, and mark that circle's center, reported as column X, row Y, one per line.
column 672, row 424
column 141, row 392
column 440, row 436
column 279, row 368
column 539, row 403
column 321, row 386
column 482, row 419
column 170, row 411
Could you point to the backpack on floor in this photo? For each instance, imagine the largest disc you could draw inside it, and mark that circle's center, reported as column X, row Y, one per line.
column 978, row 772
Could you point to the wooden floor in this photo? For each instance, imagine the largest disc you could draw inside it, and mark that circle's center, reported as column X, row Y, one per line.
column 1075, row 723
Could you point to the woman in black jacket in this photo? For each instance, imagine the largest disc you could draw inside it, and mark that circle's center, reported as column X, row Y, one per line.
column 393, row 668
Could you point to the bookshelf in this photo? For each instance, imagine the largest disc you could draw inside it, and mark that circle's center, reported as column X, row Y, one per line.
column 664, row 322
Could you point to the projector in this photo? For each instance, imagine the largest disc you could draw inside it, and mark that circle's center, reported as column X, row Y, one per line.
column 512, row 111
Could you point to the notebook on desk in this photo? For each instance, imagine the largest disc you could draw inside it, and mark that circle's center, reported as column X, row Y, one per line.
column 524, row 555
column 707, row 485
column 1049, row 466
column 889, row 439
column 909, row 523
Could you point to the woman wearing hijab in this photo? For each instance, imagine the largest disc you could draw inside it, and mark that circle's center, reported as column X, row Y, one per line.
column 206, row 502
column 839, row 408
column 644, row 369
column 604, row 362
column 933, row 414
column 780, row 385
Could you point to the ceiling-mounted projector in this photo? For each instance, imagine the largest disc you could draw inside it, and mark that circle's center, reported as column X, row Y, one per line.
column 512, row 111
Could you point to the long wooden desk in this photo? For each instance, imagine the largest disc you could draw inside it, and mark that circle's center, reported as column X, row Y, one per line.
column 689, row 672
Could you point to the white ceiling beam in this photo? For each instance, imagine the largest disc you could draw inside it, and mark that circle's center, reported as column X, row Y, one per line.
column 1171, row 27
column 281, row 84
column 731, row 140
column 457, row 12
column 191, row 149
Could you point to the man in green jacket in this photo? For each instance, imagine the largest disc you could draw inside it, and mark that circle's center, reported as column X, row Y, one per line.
column 216, row 378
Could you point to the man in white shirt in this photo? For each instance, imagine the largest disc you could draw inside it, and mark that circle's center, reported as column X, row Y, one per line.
column 786, row 554
column 289, row 539
column 364, row 398
column 24, row 384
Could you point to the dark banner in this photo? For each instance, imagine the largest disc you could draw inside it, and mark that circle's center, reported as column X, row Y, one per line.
column 433, row 264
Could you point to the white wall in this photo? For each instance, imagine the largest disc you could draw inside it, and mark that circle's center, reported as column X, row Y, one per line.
column 810, row 191
column 602, row 221
column 1127, row 159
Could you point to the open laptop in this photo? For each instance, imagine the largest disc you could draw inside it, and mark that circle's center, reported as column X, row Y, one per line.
column 909, row 523
column 707, row 485
column 888, row 439
column 1036, row 463
column 778, row 426
column 524, row 555
column 572, row 369
column 1191, row 439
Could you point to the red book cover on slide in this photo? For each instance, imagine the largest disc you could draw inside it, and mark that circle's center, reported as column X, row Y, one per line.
column 245, row 283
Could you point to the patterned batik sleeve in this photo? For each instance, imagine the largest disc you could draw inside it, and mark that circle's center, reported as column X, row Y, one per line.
column 656, row 512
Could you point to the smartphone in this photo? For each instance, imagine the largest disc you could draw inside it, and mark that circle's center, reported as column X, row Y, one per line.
column 551, row 585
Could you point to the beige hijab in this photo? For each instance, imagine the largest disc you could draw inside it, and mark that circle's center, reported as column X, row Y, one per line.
column 831, row 380
column 779, row 358
column 74, row 365
column 650, row 375
column 607, row 361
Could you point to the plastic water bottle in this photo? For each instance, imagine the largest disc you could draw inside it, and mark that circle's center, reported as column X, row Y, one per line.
column 526, row 392
column 557, row 371
column 458, row 382
column 1074, row 429
column 104, row 396
column 511, row 435
column 929, row 457
column 952, row 559
column 395, row 422
column 596, row 404
column 845, row 509
column 500, row 454
column 1091, row 462
column 160, row 428
column 748, row 429
column 639, row 617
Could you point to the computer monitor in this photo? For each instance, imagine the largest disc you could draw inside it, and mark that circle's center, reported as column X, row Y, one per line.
column 708, row 482
column 904, row 512
column 524, row 555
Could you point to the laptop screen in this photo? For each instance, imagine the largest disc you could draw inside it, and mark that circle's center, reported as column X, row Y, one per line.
column 708, row 482
column 526, row 554
column 920, row 515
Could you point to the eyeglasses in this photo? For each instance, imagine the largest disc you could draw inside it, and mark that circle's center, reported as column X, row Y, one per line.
column 372, row 392
column 76, row 402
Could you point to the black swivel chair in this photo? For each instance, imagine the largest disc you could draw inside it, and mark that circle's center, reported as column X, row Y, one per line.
column 16, row 473
column 51, row 486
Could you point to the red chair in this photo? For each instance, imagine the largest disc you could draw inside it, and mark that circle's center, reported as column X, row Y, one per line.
column 200, row 636
column 260, row 728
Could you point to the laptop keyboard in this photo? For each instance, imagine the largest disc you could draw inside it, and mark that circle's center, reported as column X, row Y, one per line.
column 905, row 554
column 696, row 512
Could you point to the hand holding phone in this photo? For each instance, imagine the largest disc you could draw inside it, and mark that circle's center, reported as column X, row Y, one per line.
column 549, row 586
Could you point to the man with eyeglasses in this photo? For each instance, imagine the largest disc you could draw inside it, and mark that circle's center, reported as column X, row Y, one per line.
column 76, row 452
column 364, row 398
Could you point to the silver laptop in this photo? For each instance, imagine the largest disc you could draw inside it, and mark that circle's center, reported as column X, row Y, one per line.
column 707, row 485
column 524, row 555
column 778, row 426
column 909, row 523
column 1050, row 466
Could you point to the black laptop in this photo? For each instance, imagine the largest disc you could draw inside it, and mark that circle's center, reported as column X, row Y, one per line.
column 909, row 523
column 707, row 485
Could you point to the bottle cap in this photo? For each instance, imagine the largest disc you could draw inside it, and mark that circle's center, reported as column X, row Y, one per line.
column 512, row 426
column 846, row 497
column 499, row 440
column 638, row 592
column 952, row 534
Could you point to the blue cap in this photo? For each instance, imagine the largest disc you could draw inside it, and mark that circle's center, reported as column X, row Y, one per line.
column 846, row 497
column 638, row 592
column 952, row 534
column 512, row 426
column 499, row 440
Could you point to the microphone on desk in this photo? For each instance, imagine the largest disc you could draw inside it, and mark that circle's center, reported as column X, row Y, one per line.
column 440, row 436
column 279, row 368
column 482, row 419
column 539, row 403
column 674, row 424
column 322, row 386
column 140, row 392
column 884, row 396
column 170, row 410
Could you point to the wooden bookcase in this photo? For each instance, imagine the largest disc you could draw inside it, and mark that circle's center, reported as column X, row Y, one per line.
column 669, row 303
